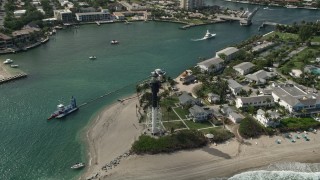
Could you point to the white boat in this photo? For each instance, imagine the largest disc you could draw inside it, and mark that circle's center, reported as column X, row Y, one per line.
column 8, row 61
column 92, row 57
column 14, row 65
column 114, row 42
column 291, row 6
column 266, row 8
column 78, row 166
column 208, row 35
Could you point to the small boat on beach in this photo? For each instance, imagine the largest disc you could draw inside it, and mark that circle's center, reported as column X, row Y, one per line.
column 14, row 65
column 78, row 166
column 208, row 35
column 114, row 42
column 8, row 61
column 92, row 57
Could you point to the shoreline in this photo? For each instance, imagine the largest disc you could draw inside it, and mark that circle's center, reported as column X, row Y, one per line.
column 222, row 161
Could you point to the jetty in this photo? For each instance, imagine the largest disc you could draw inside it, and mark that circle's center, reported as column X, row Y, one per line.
column 11, row 78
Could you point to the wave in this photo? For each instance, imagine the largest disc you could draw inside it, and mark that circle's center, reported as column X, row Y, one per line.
column 282, row 171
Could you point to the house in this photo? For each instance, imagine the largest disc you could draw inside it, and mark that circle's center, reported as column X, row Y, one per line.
column 244, row 68
column 5, row 41
column 119, row 15
column 296, row 100
column 260, row 77
column 213, row 98
column 262, row 46
column 235, row 117
column 211, row 65
column 199, row 114
column 226, row 109
column 269, row 118
column 188, row 79
column 234, row 86
column 64, row 15
column 186, row 99
column 255, row 101
column 228, row 53
column 19, row 13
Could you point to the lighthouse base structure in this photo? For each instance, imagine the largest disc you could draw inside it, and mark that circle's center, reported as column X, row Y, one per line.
column 153, row 123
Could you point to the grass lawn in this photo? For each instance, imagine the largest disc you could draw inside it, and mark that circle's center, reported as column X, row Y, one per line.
column 315, row 39
column 219, row 134
column 284, row 36
column 299, row 122
column 182, row 112
column 167, row 116
column 170, row 101
column 174, row 125
column 198, row 125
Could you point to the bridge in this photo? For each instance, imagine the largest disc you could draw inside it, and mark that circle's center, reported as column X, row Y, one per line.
column 267, row 23
column 244, row 19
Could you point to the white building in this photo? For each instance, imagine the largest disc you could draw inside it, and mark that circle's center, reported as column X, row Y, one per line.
column 296, row 100
column 19, row 13
column 244, row 68
column 260, row 77
column 229, row 53
column 234, row 86
column 255, row 101
column 269, row 118
column 211, row 65
column 191, row 4
column 235, row 117
column 93, row 16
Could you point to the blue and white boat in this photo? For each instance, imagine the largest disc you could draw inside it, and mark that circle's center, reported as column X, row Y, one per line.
column 64, row 110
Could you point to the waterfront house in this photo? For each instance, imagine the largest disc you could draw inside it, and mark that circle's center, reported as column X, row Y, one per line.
column 213, row 98
column 25, row 35
column 199, row 114
column 269, row 118
column 185, row 99
column 118, row 15
column 234, row 86
column 211, row 65
column 255, row 101
column 243, row 68
column 260, row 77
column 228, row 53
column 5, row 41
column 64, row 15
column 235, row 117
column 296, row 100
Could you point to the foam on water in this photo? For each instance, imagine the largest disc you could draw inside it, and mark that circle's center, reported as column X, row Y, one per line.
column 282, row 171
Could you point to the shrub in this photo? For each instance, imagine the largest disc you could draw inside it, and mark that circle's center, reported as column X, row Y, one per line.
column 220, row 134
column 251, row 128
column 294, row 124
column 186, row 139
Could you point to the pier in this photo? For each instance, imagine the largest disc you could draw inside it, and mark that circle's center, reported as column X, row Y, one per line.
column 11, row 78
column 267, row 23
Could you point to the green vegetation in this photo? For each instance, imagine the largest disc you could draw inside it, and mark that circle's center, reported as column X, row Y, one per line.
column 174, row 125
column 166, row 107
column 251, row 128
column 182, row 112
column 185, row 139
column 197, row 125
column 315, row 39
column 219, row 134
column 294, row 124
column 283, row 36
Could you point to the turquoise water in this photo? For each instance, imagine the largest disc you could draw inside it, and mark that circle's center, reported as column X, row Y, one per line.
column 31, row 147
column 316, row 71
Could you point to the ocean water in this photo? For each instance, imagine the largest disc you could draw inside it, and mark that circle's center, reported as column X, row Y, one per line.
column 283, row 171
column 33, row 148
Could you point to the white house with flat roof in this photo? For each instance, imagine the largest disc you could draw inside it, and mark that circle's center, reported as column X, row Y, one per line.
column 296, row 100
column 234, row 86
column 268, row 118
column 211, row 65
column 244, row 68
column 255, row 101
column 229, row 53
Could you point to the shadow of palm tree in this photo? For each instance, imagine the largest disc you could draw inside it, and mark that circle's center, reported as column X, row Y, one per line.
column 216, row 152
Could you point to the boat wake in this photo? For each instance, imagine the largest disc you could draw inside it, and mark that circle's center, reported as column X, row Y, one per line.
column 198, row 39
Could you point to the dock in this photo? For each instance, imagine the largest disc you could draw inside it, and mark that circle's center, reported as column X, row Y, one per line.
column 11, row 78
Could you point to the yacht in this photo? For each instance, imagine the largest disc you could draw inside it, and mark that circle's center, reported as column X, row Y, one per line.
column 208, row 35
column 14, row 65
column 92, row 57
column 78, row 166
column 114, row 42
column 8, row 61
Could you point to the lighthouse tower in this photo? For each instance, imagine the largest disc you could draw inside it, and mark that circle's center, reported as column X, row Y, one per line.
column 154, row 114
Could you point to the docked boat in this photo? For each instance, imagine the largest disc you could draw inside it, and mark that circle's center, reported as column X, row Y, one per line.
column 208, row 35
column 8, row 61
column 78, row 166
column 291, row 6
column 14, row 65
column 92, row 57
column 114, row 42
column 64, row 110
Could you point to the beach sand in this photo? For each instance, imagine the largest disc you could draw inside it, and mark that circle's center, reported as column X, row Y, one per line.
column 115, row 129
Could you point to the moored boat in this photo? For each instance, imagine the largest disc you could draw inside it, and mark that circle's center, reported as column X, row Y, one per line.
column 92, row 57
column 14, row 65
column 64, row 110
column 8, row 61
column 78, row 166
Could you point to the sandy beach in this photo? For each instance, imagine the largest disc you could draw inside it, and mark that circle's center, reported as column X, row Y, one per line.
column 115, row 129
